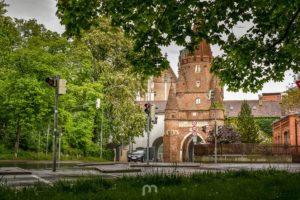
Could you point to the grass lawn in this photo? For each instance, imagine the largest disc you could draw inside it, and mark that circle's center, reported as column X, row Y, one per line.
column 266, row 184
column 26, row 155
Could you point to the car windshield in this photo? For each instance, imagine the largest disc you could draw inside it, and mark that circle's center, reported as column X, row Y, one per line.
column 138, row 152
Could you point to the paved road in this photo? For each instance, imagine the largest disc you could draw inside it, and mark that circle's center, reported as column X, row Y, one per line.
column 114, row 170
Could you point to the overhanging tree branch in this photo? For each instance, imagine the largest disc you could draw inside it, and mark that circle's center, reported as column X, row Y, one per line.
column 287, row 29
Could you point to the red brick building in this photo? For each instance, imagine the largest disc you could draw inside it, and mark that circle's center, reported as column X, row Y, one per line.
column 286, row 130
column 189, row 105
column 185, row 100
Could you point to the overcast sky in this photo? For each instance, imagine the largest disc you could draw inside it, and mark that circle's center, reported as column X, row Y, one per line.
column 44, row 12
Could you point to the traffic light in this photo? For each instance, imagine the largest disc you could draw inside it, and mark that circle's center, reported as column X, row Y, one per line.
column 152, row 113
column 204, row 129
column 147, row 108
column 51, row 81
column 298, row 83
column 62, row 86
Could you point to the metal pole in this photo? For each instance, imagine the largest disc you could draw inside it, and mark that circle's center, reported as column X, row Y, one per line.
column 39, row 143
column 59, row 143
column 216, row 131
column 48, row 131
column 55, row 123
column 101, row 135
column 148, row 133
column 296, row 135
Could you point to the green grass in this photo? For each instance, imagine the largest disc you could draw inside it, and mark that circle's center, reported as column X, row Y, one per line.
column 267, row 184
column 28, row 155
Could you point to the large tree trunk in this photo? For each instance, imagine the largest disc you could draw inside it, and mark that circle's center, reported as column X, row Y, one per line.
column 18, row 132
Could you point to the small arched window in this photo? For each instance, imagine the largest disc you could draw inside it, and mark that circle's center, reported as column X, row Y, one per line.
column 197, row 68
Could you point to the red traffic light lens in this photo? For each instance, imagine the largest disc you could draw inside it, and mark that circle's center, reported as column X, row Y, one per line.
column 50, row 81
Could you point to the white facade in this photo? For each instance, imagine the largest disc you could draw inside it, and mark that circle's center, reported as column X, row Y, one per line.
column 156, row 132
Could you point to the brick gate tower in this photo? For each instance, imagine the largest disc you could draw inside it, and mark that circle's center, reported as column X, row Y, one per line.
column 189, row 104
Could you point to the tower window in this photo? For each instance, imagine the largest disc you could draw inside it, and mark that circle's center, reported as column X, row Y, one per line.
column 197, row 83
column 197, row 68
column 198, row 101
column 165, row 78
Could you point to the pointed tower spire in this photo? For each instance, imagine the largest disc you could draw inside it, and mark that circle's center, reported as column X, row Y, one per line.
column 172, row 101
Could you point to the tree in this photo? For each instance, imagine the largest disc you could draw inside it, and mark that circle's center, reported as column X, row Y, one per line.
column 265, row 124
column 95, row 66
column 246, row 125
column 123, row 118
column 226, row 135
column 27, row 59
column 267, row 48
column 291, row 101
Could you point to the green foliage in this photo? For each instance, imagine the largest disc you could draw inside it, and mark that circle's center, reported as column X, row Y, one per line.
column 263, row 51
column 264, row 184
column 231, row 122
column 265, row 124
column 291, row 101
column 246, row 125
column 95, row 66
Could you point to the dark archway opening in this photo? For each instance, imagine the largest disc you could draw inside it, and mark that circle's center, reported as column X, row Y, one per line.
column 158, row 147
column 188, row 148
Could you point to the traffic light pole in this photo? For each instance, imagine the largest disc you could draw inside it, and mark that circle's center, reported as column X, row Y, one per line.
column 55, row 123
column 148, row 134
column 216, row 138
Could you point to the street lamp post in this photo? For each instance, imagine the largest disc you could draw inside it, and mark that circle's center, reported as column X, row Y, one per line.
column 101, row 136
column 98, row 103
column 211, row 96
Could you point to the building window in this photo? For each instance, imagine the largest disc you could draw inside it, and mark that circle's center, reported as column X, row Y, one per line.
column 165, row 78
column 197, row 83
column 197, row 68
column 286, row 138
column 198, row 101
column 231, row 107
column 254, row 107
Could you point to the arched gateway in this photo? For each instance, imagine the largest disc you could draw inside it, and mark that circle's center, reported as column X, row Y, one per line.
column 187, row 147
column 158, row 149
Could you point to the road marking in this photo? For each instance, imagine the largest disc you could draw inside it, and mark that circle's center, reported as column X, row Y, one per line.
column 42, row 180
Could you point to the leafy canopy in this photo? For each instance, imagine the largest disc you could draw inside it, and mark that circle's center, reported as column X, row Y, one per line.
column 267, row 49
column 95, row 66
column 291, row 101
